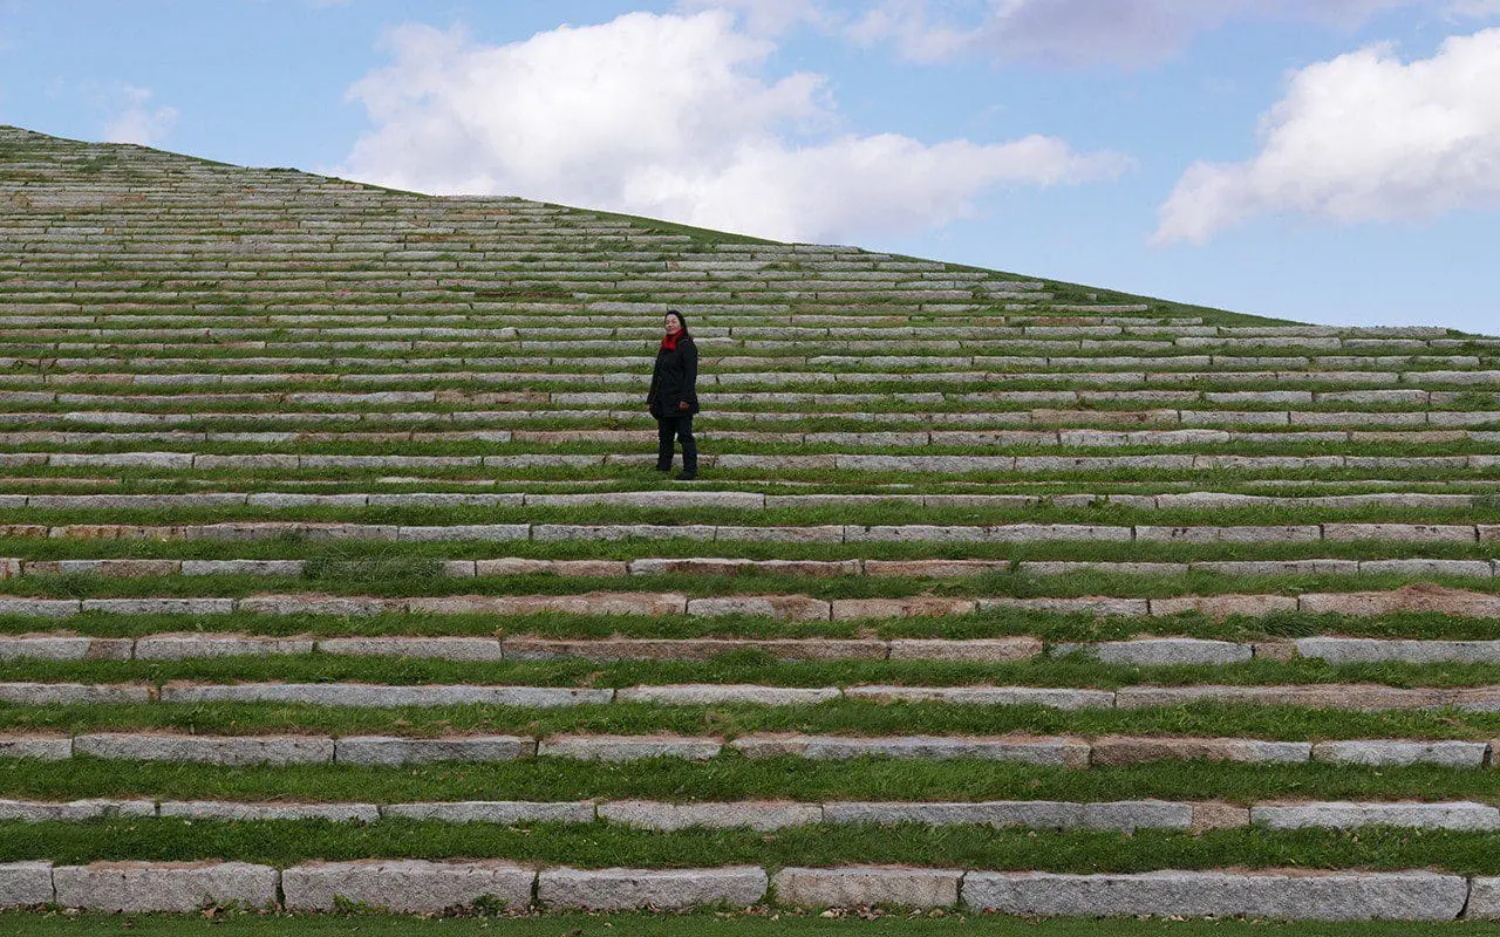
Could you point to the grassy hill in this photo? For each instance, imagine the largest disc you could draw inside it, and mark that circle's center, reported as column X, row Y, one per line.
column 338, row 575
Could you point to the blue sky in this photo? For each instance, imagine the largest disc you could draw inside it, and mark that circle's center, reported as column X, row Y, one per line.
column 1328, row 161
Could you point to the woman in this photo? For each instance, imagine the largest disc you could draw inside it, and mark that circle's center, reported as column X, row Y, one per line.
column 673, row 398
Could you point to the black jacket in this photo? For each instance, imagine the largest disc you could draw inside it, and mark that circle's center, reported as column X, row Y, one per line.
column 673, row 379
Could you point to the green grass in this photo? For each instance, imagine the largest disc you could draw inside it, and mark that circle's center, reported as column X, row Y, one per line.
column 701, row 924
column 841, row 717
column 743, row 666
column 601, row 845
column 413, row 578
column 329, row 555
column 733, row 778
column 1485, row 512
column 989, row 624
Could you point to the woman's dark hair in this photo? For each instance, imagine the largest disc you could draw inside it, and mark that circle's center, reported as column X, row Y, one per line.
column 681, row 320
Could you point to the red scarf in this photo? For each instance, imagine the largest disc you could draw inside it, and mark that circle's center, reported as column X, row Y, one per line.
column 669, row 342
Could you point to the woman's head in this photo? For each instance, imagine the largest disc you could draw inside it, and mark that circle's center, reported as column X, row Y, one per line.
column 674, row 322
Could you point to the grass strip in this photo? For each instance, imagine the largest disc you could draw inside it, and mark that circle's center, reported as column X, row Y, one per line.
column 285, row 843
column 1487, row 512
column 345, row 556
column 840, row 717
column 749, row 665
column 732, row 778
column 989, row 624
column 989, row 585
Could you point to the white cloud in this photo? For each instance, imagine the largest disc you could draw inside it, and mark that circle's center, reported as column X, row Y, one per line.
column 1363, row 137
column 1131, row 33
column 670, row 116
column 136, row 121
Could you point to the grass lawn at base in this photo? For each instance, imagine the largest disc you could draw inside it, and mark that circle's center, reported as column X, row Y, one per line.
column 691, row 925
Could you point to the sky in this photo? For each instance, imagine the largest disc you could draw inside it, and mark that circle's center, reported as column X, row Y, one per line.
column 1327, row 161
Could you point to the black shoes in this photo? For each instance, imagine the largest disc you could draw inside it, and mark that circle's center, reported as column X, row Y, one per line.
column 687, row 475
column 664, row 468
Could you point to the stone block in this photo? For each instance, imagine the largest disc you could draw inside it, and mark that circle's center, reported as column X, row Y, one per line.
column 1282, row 534
column 979, row 650
column 862, row 887
column 242, row 567
column 48, row 647
column 613, row 532
column 786, row 607
column 1401, row 533
column 466, row 533
column 755, row 816
column 987, row 696
column 916, row 533
column 504, row 812
column 720, row 694
column 1162, row 652
column 350, row 607
column 1035, row 751
column 160, row 606
column 515, row 566
column 1114, row 751
column 40, row 747
column 1219, row 816
column 179, row 887
column 629, row 889
column 1097, row 606
column 379, row 696
column 216, row 750
column 1282, row 651
column 61, row 694
column 41, row 608
column 824, row 534
column 1373, row 650
column 1219, row 607
column 648, row 604
column 407, row 885
column 1251, row 568
column 1414, row 598
column 431, row 648
column 1392, row 752
column 1363, row 697
column 627, row 748
column 1299, row 895
column 934, row 569
column 1126, row 815
column 221, row 810
column 190, row 646
column 910, row 607
column 388, row 750
column 1343, row 816
column 1476, row 569
column 25, row 884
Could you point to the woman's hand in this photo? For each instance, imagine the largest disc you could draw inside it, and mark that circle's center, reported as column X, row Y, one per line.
column 684, row 405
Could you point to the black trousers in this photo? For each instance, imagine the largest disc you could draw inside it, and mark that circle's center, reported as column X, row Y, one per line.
column 679, row 428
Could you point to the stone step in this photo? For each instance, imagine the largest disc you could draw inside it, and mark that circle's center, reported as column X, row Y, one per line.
column 704, row 533
column 838, row 461
column 767, row 816
column 1342, row 426
column 733, row 567
column 1146, row 651
column 1418, row 598
column 420, row 886
column 1075, row 752
column 647, row 437
column 1352, row 697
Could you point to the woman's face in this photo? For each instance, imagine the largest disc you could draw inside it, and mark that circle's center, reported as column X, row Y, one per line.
column 673, row 324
